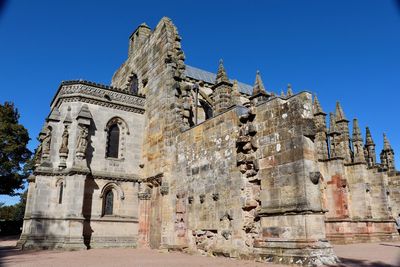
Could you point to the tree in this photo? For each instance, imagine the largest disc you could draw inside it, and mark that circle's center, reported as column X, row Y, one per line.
column 13, row 151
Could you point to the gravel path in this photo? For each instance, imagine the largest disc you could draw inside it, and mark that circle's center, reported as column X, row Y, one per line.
column 372, row 254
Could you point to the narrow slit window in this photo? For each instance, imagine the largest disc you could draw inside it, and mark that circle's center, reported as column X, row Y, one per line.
column 60, row 193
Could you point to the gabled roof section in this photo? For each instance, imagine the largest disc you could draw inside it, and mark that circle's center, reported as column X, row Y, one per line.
column 209, row 77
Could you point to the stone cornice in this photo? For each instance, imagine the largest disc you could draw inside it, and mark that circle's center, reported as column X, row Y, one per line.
column 124, row 177
column 100, row 95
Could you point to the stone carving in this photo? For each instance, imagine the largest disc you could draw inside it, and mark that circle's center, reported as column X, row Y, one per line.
column 46, row 142
column 82, row 142
column 64, row 141
column 64, row 148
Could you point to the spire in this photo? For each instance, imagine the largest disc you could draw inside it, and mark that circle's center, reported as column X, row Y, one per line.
column 317, row 107
column 289, row 90
column 356, row 132
column 368, row 138
column 386, row 144
column 221, row 74
column 282, row 93
column 339, row 113
column 258, row 85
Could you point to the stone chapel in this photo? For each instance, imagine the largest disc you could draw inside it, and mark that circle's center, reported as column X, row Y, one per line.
column 173, row 157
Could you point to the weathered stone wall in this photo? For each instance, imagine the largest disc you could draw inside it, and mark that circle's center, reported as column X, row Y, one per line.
column 65, row 221
column 291, row 209
column 208, row 204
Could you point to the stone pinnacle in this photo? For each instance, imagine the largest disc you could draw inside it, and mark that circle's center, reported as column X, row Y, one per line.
column 221, row 74
column 368, row 137
column 289, row 90
column 339, row 113
column 317, row 107
column 258, row 85
column 386, row 144
column 356, row 131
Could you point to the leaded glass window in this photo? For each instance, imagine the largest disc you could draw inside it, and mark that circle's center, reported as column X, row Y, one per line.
column 109, row 201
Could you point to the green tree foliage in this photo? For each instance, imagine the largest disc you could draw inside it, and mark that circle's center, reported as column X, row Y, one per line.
column 15, row 212
column 13, row 151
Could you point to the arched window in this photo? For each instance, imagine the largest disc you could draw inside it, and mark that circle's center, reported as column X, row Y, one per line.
column 60, row 193
column 108, row 203
column 113, row 141
column 133, row 84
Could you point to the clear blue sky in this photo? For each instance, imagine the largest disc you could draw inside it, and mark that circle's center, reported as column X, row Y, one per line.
column 342, row 50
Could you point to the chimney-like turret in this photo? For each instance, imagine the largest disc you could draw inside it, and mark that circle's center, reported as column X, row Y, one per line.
column 138, row 37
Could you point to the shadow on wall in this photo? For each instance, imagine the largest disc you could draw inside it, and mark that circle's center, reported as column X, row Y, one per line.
column 90, row 186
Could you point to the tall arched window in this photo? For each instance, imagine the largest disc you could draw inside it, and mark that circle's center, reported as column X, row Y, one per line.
column 108, row 203
column 60, row 193
column 113, row 141
column 133, row 84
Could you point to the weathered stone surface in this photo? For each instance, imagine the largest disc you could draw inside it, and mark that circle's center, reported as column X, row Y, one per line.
column 202, row 166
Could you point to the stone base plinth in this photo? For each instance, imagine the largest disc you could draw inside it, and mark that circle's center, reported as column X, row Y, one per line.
column 50, row 242
column 112, row 242
column 348, row 231
column 302, row 252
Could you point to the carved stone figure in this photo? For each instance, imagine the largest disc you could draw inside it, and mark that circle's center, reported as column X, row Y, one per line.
column 82, row 141
column 64, row 141
column 46, row 142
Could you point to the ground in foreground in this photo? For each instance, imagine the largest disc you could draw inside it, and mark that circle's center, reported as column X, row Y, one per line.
column 384, row 254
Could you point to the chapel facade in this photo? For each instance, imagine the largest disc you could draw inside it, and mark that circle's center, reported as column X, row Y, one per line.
column 173, row 157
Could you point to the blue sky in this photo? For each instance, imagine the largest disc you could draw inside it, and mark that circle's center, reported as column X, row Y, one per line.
column 342, row 50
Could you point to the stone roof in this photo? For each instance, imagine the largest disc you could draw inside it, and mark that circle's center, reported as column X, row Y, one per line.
column 209, row 77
